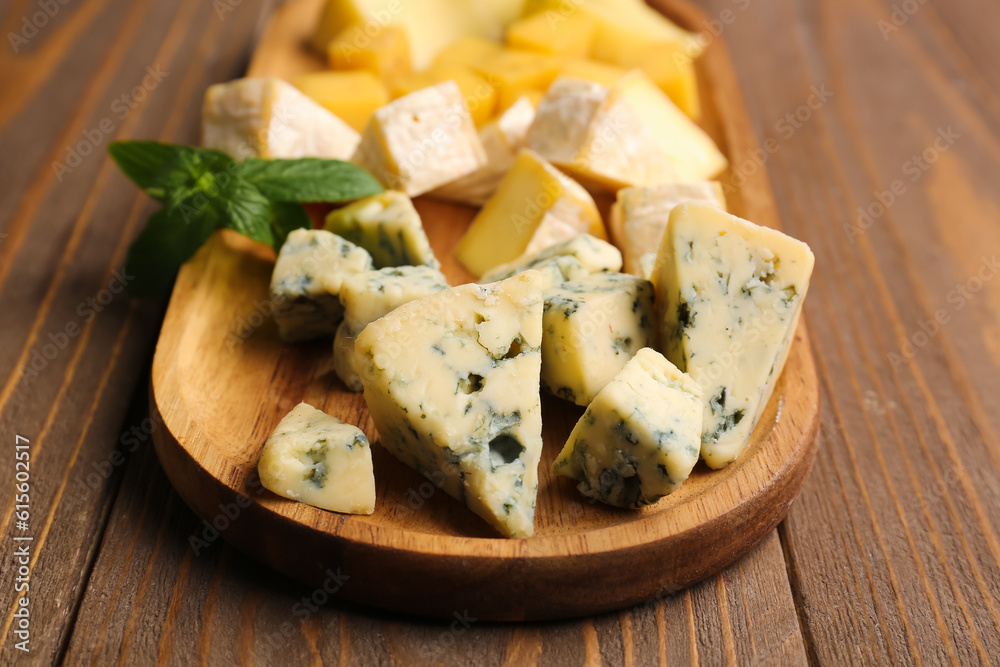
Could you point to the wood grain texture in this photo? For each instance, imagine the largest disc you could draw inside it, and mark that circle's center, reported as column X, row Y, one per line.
column 221, row 382
column 850, row 550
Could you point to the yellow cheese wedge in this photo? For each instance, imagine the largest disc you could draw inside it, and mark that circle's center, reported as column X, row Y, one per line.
column 387, row 54
column 554, row 33
column 593, row 70
column 534, row 207
column 479, row 95
column 352, row 96
column 513, row 72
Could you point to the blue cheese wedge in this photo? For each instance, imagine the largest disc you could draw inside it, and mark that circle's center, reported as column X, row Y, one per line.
column 591, row 328
column 639, row 216
column 270, row 118
column 575, row 258
column 728, row 294
column 421, row 141
column 387, row 226
column 306, row 282
column 451, row 382
column 316, row 459
column 640, row 437
column 369, row 296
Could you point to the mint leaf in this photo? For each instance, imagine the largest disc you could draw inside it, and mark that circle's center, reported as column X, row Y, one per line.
column 170, row 173
column 246, row 210
column 285, row 218
column 163, row 245
column 308, row 179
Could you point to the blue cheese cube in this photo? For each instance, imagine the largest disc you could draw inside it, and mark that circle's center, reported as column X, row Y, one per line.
column 368, row 296
column 452, row 385
column 591, row 328
column 388, row 227
column 306, row 282
column 575, row 258
column 640, row 437
column 316, row 459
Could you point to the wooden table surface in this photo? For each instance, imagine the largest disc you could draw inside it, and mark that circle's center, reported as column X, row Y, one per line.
column 881, row 123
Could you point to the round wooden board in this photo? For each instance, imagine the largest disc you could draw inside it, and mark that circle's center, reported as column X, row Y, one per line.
column 222, row 380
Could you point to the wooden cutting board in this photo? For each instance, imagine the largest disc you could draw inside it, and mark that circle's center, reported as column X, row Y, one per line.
column 222, row 380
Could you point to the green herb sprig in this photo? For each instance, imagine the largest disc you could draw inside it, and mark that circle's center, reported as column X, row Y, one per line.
column 203, row 190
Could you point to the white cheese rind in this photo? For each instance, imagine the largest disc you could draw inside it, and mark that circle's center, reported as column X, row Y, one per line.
column 451, row 382
column 421, row 141
column 388, row 227
column 640, row 437
column 316, row 459
column 729, row 294
column 270, row 118
column 591, row 328
column 306, row 282
column 368, row 296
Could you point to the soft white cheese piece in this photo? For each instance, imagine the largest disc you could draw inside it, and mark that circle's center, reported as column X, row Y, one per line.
column 316, row 459
column 421, row 141
column 591, row 328
column 452, row 385
column 639, row 216
column 388, row 227
column 630, row 134
column 270, row 118
column 640, row 437
column 502, row 138
column 369, row 296
column 306, row 281
column 728, row 296
column 575, row 258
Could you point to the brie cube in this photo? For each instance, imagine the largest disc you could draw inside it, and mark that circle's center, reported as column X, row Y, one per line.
column 316, row 459
column 591, row 328
column 369, row 296
column 640, row 437
column 502, row 138
column 451, row 383
column 388, row 227
column 421, row 141
column 630, row 134
column 534, row 207
column 306, row 282
column 639, row 216
column 269, row 118
column 728, row 294
column 578, row 257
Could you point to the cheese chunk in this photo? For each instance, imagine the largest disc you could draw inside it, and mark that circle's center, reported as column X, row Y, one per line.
column 480, row 96
column 535, row 206
column 630, row 134
column 316, row 459
column 421, row 141
column 646, row 265
column 369, row 296
column 512, row 72
column 592, row 327
column 729, row 294
column 268, row 118
column 592, row 70
column 388, row 227
column 640, row 437
column 502, row 139
column 307, row 277
column 451, row 382
column 386, row 54
column 570, row 34
column 588, row 255
column 639, row 216
column 353, row 96
column 467, row 51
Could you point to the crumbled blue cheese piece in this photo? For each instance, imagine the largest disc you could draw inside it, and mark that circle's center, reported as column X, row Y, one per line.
column 640, row 437
column 590, row 255
column 387, row 226
column 316, row 459
column 369, row 296
column 306, row 281
column 728, row 294
column 591, row 328
column 452, row 385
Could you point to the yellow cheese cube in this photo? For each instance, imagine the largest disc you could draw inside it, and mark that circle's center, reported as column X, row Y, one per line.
column 467, row 51
column 386, row 54
column 555, row 33
column 514, row 72
column 534, row 207
column 479, row 95
column 592, row 70
column 336, row 17
column 351, row 95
